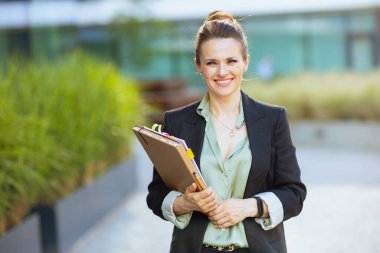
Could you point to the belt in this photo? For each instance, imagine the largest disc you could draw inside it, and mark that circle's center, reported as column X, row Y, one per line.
column 228, row 248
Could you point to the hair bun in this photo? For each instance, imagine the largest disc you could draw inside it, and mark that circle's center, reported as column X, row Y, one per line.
column 220, row 15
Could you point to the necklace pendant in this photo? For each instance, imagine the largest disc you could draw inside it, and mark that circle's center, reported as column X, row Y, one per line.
column 232, row 133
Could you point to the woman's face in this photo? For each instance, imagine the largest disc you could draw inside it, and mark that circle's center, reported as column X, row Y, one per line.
column 222, row 66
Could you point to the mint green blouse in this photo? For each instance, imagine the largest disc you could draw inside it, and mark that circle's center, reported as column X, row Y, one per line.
column 228, row 177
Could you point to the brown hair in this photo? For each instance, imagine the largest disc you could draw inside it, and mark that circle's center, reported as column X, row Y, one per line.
column 220, row 24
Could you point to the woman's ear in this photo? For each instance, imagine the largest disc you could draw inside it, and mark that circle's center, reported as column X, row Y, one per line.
column 197, row 66
column 246, row 63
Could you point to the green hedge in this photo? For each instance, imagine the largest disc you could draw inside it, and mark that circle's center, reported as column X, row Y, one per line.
column 61, row 124
column 323, row 96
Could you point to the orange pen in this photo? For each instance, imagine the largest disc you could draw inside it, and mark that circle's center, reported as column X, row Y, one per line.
column 199, row 182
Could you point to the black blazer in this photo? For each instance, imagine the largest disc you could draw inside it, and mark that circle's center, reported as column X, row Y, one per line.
column 274, row 168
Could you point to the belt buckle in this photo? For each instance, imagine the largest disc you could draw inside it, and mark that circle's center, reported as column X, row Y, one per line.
column 226, row 248
column 221, row 248
column 230, row 248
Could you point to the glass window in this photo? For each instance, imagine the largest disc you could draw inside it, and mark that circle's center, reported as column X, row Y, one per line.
column 327, row 42
column 95, row 40
column 285, row 52
column 19, row 42
column 284, row 24
column 49, row 42
column 361, row 54
column 362, row 21
column 327, row 51
column 3, row 47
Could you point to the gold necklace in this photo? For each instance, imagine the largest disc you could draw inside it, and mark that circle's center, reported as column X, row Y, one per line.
column 232, row 130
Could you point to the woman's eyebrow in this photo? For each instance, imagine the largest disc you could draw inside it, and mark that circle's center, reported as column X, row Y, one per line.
column 228, row 58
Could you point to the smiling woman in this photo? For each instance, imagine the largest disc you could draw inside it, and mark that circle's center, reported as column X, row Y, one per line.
column 222, row 65
column 245, row 155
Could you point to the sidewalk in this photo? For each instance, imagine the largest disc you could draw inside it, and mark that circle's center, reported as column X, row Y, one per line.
column 340, row 212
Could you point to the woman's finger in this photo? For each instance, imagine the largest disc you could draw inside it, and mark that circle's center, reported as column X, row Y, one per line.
column 210, row 206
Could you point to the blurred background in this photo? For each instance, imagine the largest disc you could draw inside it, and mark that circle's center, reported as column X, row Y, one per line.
column 75, row 76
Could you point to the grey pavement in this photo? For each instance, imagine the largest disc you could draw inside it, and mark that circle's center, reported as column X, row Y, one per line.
column 339, row 215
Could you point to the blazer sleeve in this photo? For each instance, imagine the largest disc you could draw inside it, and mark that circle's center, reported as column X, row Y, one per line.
column 287, row 185
column 157, row 190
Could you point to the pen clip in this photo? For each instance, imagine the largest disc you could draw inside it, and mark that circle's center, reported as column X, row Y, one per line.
column 157, row 127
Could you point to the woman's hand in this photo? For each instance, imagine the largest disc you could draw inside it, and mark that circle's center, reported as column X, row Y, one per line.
column 204, row 201
column 232, row 211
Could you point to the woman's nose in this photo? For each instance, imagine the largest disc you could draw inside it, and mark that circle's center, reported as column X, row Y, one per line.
column 222, row 70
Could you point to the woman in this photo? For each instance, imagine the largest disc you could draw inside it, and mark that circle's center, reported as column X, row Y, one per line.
column 244, row 151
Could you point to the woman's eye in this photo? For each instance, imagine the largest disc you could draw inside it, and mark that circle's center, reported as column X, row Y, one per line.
column 210, row 63
column 232, row 61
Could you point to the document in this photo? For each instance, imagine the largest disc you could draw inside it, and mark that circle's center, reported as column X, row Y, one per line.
column 171, row 157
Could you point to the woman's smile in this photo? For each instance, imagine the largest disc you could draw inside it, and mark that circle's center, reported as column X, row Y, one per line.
column 224, row 82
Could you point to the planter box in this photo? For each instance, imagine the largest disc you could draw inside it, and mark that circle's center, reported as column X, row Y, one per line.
column 23, row 238
column 65, row 222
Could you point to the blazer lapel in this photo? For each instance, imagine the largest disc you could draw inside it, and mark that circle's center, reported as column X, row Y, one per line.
column 259, row 141
column 193, row 133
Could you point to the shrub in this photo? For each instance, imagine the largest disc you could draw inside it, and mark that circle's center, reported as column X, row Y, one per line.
column 61, row 124
column 323, row 96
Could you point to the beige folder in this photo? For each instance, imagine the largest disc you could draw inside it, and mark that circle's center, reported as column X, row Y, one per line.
column 172, row 159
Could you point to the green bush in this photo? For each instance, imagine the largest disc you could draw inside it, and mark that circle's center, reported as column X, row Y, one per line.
column 323, row 96
column 61, row 124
